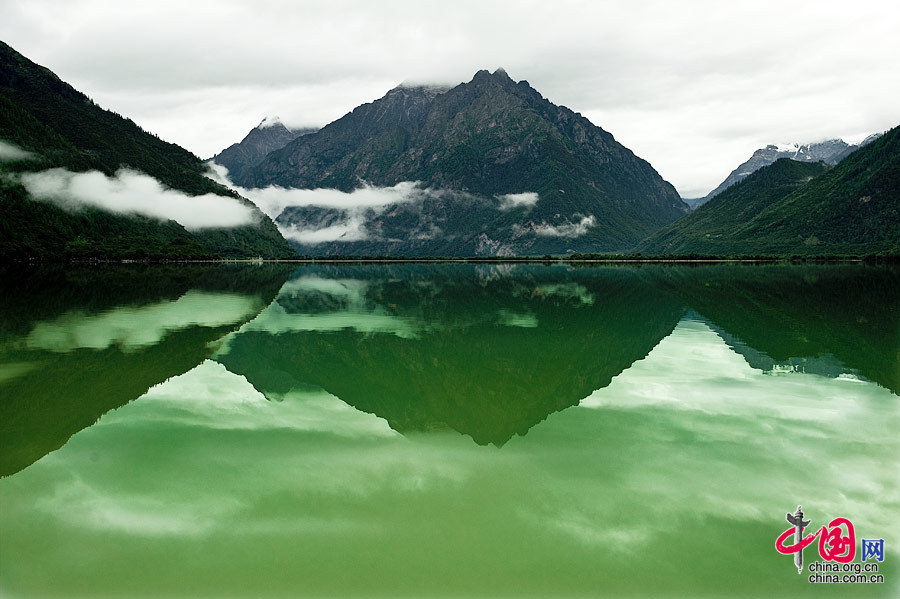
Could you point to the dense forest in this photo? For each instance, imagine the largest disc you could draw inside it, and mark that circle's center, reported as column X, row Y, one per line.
column 794, row 208
column 62, row 128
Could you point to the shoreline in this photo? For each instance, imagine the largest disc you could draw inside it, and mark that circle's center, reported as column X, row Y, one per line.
column 471, row 260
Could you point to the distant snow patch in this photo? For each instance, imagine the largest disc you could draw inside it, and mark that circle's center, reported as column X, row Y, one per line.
column 792, row 147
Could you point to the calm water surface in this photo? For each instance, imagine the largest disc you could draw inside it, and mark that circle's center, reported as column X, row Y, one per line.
column 450, row 430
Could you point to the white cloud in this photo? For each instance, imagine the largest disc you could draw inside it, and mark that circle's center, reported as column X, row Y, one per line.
column 273, row 200
column 565, row 229
column 514, row 200
column 576, row 229
column 352, row 229
column 270, row 121
column 132, row 192
column 359, row 206
column 355, row 208
column 218, row 173
column 10, row 152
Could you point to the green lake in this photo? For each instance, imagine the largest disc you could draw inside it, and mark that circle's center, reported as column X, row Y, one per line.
column 453, row 430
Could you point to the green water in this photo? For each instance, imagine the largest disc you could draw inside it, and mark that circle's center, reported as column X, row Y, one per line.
column 448, row 430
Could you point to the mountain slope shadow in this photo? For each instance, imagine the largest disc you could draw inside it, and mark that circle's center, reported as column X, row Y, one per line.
column 485, row 351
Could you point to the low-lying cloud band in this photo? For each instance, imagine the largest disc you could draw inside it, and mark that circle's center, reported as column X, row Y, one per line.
column 133, row 192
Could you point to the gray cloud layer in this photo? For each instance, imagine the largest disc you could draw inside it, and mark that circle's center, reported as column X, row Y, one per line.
column 694, row 87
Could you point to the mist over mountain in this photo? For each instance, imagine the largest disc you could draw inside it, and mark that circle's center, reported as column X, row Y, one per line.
column 271, row 134
column 78, row 181
column 830, row 151
column 496, row 169
column 485, row 168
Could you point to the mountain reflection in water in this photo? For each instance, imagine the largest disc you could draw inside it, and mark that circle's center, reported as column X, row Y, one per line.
column 486, row 350
column 453, row 349
column 76, row 343
column 421, row 430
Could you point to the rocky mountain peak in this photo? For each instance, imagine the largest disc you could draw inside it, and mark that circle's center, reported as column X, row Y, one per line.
column 269, row 135
column 499, row 168
column 829, row 151
column 498, row 77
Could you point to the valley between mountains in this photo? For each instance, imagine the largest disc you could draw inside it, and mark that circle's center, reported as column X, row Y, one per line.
column 488, row 167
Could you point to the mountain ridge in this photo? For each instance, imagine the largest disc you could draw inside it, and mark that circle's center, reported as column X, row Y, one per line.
column 487, row 137
column 796, row 208
column 269, row 135
column 829, row 151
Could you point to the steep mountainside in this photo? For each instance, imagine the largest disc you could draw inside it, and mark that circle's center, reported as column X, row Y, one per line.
column 271, row 134
column 830, row 151
column 475, row 144
column 799, row 208
column 62, row 128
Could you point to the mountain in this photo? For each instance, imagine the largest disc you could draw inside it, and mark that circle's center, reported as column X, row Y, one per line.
column 499, row 170
column 791, row 207
column 62, row 132
column 271, row 134
column 830, row 151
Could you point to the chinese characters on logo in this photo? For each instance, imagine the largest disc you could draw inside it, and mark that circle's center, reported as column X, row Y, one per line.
column 837, row 541
column 872, row 549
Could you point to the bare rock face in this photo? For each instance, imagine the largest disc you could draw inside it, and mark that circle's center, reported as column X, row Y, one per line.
column 270, row 135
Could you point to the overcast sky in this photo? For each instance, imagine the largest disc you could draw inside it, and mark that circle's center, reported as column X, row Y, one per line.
column 693, row 87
